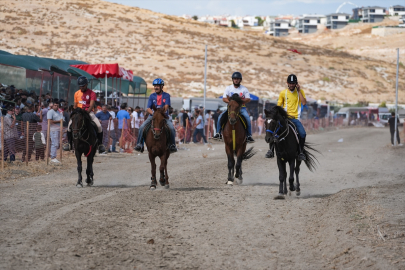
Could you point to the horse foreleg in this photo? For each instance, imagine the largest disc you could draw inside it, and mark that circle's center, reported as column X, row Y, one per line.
column 297, row 172
column 238, row 168
column 79, row 168
column 166, row 175
column 282, row 176
column 162, row 170
column 231, row 166
column 153, row 171
column 89, row 170
column 291, row 177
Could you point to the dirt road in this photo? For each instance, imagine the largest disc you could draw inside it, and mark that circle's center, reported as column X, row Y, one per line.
column 350, row 215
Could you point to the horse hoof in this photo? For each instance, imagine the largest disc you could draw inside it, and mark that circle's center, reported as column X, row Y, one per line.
column 167, row 186
column 298, row 193
column 229, row 183
column 152, row 188
column 162, row 183
column 79, row 185
column 279, row 197
column 289, row 193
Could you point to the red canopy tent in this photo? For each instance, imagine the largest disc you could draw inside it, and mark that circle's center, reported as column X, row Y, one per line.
column 107, row 71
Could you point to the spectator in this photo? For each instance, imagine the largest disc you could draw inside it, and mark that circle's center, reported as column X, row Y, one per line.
column 44, row 113
column 179, row 117
column 215, row 117
column 39, row 142
column 185, row 122
column 260, row 123
column 104, row 116
column 136, row 121
column 391, row 121
column 54, row 115
column 33, row 120
column 199, row 128
column 111, row 130
column 10, row 134
column 123, row 122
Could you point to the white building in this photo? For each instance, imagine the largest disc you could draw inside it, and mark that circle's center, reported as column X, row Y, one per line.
column 250, row 21
column 396, row 10
column 309, row 24
column 278, row 28
column 337, row 20
column 373, row 14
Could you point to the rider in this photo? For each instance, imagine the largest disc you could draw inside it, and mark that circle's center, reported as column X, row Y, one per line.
column 291, row 100
column 243, row 92
column 85, row 99
column 159, row 99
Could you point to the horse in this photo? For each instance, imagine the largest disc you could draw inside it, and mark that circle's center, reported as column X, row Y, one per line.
column 84, row 142
column 234, row 135
column 282, row 132
column 156, row 141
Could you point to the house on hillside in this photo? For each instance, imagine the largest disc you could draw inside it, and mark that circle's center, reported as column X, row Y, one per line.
column 250, row 21
column 309, row 24
column 402, row 21
column 396, row 10
column 373, row 14
column 337, row 20
column 278, row 28
column 357, row 14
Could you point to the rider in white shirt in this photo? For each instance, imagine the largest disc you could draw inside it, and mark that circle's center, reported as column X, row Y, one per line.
column 243, row 92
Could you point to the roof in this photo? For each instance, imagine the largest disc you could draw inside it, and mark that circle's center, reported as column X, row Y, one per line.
column 337, row 14
column 139, row 80
column 398, row 6
column 281, row 21
column 373, row 7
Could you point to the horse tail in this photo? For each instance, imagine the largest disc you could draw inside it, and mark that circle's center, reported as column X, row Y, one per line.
column 311, row 160
column 248, row 154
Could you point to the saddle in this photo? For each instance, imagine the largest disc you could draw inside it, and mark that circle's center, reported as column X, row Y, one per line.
column 224, row 119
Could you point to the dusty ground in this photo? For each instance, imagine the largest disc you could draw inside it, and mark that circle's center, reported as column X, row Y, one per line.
column 356, row 194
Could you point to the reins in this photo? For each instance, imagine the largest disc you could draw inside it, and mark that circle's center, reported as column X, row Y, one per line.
column 233, row 126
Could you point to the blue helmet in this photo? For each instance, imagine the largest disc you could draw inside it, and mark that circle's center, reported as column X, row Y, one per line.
column 82, row 81
column 158, row 81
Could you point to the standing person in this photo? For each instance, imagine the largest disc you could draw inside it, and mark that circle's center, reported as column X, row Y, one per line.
column 44, row 122
column 207, row 124
column 111, row 129
column 243, row 92
column 136, row 120
column 54, row 115
column 33, row 120
column 85, row 99
column 391, row 121
column 185, row 122
column 10, row 134
column 160, row 99
column 104, row 116
column 179, row 117
column 123, row 123
column 199, row 128
column 260, row 123
column 39, row 141
column 215, row 118
column 291, row 100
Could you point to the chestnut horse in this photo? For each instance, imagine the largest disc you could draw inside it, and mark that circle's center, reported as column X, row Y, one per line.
column 234, row 135
column 157, row 143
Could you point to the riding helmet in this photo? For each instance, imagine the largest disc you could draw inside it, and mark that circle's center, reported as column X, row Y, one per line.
column 237, row 75
column 158, row 81
column 292, row 78
column 82, row 81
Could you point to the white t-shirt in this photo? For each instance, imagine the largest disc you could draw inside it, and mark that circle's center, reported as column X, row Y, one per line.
column 135, row 120
column 112, row 122
column 242, row 91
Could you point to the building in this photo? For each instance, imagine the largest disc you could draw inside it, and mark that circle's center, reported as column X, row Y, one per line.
column 309, row 24
column 402, row 21
column 250, row 21
column 357, row 14
column 396, row 10
column 373, row 14
column 279, row 28
column 337, row 20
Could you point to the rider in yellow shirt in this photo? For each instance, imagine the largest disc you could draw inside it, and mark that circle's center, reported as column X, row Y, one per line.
column 291, row 100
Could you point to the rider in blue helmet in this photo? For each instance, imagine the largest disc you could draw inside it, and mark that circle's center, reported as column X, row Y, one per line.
column 159, row 99
column 243, row 92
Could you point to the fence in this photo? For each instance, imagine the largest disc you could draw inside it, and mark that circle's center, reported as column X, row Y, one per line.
column 31, row 142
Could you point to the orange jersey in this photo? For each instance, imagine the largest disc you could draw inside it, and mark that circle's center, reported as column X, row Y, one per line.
column 82, row 99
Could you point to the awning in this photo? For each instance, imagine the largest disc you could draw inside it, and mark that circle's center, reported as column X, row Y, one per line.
column 106, row 70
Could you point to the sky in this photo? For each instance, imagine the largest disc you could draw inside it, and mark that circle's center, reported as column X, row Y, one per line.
column 252, row 7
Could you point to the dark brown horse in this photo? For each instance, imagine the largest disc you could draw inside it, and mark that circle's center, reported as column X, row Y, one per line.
column 156, row 142
column 84, row 142
column 234, row 135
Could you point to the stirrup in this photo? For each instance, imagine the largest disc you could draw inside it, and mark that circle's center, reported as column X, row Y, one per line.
column 173, row 148
column 66, row 147
column 269, row 154
column 302, row 157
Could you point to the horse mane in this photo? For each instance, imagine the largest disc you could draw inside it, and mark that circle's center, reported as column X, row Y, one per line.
column 236, row 98
column 83, row 113
column 277, row 110
column 162, row 112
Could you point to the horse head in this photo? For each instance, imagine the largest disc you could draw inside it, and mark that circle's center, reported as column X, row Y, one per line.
column 276, row 123
column 78, row 117
column 158, row 122
column 234, row 105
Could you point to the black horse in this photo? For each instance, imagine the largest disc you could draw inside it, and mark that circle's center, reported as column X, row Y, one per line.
column 84, row 142
column 281, row 132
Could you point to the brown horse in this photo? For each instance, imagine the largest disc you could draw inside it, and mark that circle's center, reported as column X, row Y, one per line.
column 156, row 142
column 234, row 135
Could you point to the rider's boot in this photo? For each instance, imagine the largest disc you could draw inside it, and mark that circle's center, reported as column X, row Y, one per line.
column 270, row 153
column 139, row 147
column 301, row 155
column 101, row 147
column 173, row 148
column 217, row 136
column 68, row 146
column 249, row 139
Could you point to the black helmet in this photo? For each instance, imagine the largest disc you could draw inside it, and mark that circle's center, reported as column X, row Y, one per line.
column 237, row 75
column 82, row 81
column 292, row 78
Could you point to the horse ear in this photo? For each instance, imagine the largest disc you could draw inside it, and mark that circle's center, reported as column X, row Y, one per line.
column 153, row 107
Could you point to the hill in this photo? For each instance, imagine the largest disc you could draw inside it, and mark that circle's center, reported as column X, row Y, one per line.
column 158, row 45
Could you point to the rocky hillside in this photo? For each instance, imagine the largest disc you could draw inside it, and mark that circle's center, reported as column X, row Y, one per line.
column 158, row 45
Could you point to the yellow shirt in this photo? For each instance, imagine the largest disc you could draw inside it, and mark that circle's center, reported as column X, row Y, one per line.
column 291, row 102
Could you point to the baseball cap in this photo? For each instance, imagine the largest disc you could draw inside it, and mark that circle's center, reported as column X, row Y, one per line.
column 17, row 106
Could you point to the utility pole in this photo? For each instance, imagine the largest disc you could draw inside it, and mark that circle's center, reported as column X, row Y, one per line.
column 396, row 101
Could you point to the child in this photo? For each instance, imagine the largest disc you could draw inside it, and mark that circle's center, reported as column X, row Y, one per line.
column 39, row 140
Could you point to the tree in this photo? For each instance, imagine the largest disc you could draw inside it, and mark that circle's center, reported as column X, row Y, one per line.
column 234, row 24
column 382, row 105
column 195, row 17
column 260, row 21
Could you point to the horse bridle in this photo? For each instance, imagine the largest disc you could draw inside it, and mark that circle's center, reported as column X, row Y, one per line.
column 233, row 112
column 274, row 132
column 156, row 129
